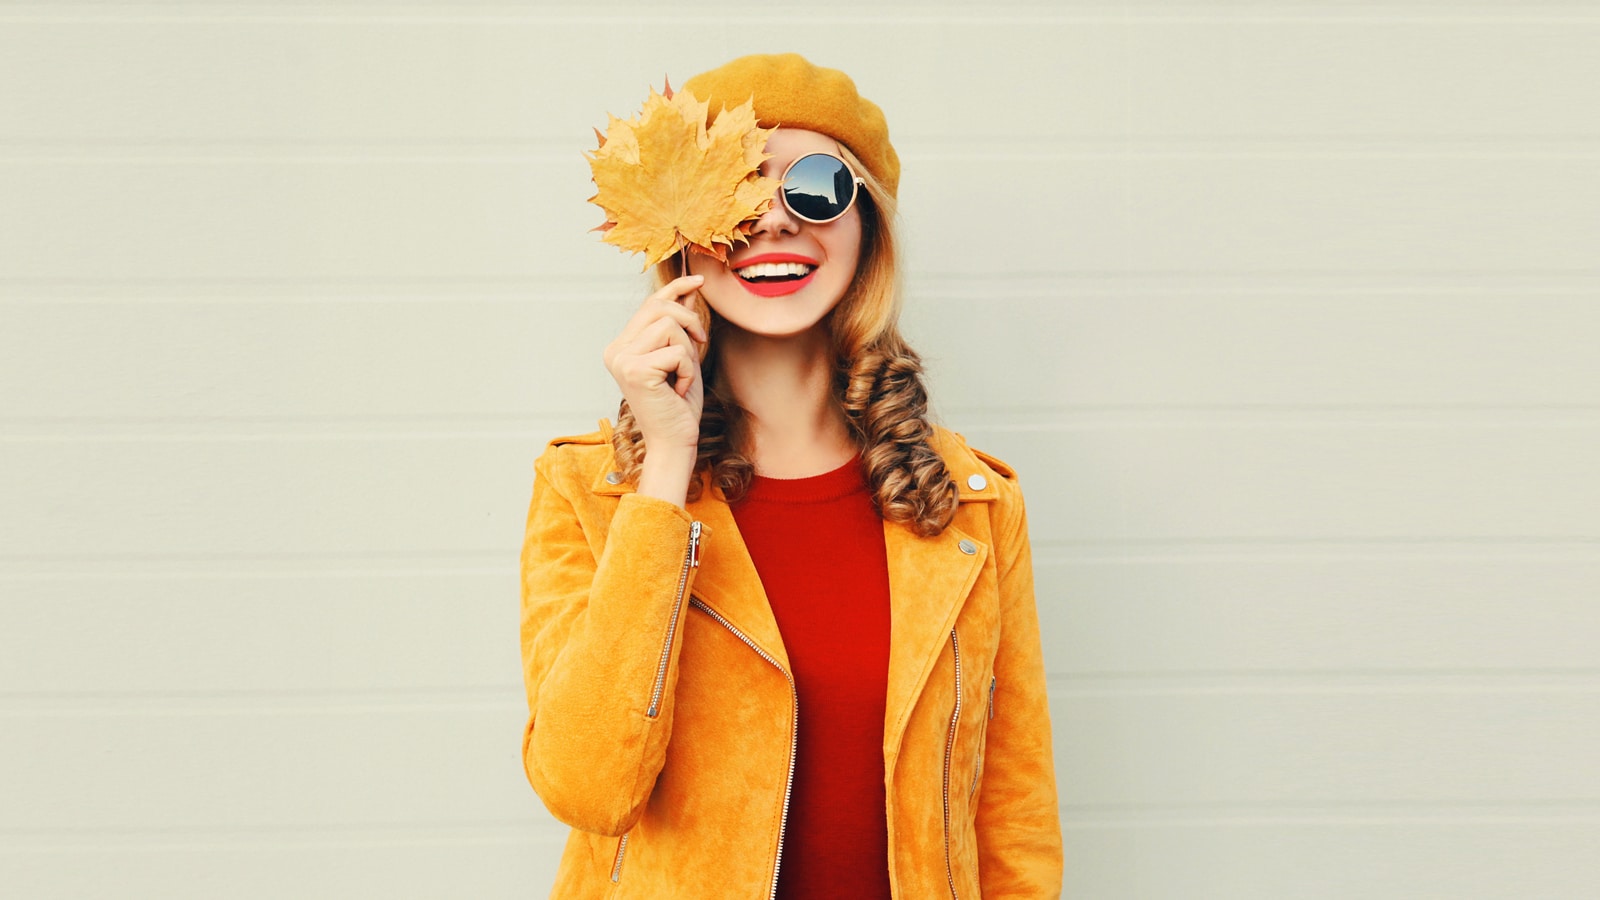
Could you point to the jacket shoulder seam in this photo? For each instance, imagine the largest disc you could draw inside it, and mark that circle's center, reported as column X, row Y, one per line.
column 996, row 464
column 1006, row 513
column 571, row 459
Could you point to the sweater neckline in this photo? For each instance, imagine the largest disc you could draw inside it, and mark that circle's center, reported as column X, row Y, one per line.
column 847, row 479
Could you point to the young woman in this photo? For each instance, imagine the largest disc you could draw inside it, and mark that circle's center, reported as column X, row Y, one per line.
column 778, row 629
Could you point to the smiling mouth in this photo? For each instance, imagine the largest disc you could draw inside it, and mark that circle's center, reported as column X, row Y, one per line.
column 774, row 273
column 775, row 279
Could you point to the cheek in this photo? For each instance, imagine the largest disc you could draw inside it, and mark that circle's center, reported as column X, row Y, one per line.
column 849, row 249
column 848, row 263
column 704, row 265
column 721, row 291
column 720, row 281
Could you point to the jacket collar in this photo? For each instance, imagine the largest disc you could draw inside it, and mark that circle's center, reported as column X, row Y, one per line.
column 962, row 462
column 929, row 578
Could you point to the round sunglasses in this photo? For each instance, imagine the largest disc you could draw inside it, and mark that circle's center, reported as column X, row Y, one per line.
column 819, row 187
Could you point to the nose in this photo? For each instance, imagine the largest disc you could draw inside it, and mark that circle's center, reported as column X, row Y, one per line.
column 777, row 220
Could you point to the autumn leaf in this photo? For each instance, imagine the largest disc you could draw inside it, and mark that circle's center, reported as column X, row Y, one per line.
column 666, row 181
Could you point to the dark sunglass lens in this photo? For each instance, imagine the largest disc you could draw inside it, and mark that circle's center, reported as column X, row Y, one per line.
column 819, row 187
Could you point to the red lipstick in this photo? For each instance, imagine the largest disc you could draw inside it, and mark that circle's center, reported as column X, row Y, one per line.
column 775, row 288
column 772, row 258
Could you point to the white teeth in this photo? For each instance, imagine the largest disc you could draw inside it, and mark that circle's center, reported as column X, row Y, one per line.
column 773, row 270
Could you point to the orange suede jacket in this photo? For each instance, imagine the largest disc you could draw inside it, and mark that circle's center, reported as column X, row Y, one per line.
column 663, row 718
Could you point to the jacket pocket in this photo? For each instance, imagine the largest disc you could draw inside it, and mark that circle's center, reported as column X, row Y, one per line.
column 949, row 751
column 983, row 734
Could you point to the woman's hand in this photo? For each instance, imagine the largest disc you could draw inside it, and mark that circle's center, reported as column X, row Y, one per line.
column 656, row 363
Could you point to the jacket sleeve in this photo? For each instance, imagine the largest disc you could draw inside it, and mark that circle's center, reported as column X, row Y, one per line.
column 1018, row 817
column 599, row 649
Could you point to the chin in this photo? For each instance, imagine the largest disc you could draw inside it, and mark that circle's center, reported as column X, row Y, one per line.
column 778, row 317
column 776, row 327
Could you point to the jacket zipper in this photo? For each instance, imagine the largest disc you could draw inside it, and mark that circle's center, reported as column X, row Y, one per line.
column 949, row 747
column 978, row 769
column 616, row 867
column 691, row 558
column 794, row 730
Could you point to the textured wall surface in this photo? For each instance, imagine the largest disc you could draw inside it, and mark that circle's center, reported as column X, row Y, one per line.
column 1286, row 312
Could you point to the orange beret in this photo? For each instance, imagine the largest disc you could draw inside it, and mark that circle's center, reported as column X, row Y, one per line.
column 788, row 90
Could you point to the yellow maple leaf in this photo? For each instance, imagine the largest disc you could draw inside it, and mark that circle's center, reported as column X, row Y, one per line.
column 666, row 181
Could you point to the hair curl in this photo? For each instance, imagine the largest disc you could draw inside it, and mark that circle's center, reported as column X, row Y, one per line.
column 877, row 383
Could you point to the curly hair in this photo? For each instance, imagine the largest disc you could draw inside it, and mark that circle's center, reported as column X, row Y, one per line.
column 877, row 383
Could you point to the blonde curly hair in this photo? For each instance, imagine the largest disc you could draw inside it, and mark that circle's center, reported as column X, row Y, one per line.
column 877, row 384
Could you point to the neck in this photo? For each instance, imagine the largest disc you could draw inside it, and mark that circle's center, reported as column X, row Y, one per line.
column 793, row 427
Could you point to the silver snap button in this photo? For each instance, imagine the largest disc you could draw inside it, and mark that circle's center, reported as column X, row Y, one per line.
column 968, row 547
column 977, row 482
column 613, row 478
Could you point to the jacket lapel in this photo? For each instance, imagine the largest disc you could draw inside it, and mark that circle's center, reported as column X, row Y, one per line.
column 929, row 578
column 728, row 581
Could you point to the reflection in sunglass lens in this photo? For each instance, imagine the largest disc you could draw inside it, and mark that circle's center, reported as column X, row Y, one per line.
column 819, row 187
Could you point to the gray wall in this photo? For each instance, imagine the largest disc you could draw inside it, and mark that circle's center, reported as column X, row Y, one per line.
column 1286, row 313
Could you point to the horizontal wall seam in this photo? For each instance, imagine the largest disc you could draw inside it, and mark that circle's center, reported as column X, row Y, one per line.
column 650, row 16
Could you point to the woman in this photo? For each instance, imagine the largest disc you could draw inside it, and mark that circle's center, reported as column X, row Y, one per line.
column 791, row 650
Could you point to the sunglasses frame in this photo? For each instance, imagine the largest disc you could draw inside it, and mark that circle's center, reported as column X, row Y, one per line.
column 857, row 184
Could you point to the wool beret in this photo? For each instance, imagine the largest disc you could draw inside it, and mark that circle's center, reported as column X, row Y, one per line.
column 787, row 89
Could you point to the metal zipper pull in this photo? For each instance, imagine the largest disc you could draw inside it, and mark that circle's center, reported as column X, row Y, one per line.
column 690, row 561
column 991, row 696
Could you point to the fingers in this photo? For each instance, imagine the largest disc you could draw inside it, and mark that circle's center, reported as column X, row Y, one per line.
column 674, row 359
column 650, row 370
column 649, row 358
column 682, row 286
column 662, row 333
column 669, row 301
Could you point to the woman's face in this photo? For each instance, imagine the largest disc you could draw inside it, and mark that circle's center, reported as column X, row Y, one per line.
column 783, row 307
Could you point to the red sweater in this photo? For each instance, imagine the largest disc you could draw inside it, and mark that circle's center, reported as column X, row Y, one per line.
column 818, row 546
